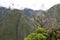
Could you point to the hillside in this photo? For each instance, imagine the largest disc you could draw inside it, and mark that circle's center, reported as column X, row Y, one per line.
column 55, row 12
column 3, row 11
column 49, row 18
column 13, row 19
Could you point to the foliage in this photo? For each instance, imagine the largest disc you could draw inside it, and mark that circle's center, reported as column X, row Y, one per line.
column 54, row 33
column 39, row 34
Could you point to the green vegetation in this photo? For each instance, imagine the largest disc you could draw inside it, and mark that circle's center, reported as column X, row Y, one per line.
column 9, row 25
column 52, row 33
column 38, row 34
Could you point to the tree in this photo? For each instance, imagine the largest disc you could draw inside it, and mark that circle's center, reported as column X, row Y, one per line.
column 40, row 19
column 38, row 34
column 54, row 33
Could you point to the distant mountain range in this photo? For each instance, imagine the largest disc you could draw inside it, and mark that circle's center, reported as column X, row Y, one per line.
column 29, row 12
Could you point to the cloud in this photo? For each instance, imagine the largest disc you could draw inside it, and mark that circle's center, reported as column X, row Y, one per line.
column 33, row 4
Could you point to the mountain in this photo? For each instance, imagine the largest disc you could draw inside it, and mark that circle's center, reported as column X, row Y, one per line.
column 51, row 17
column 54, row 12
column 13, row 19
column 30, row 12
column 25, row 21
column 3, row 11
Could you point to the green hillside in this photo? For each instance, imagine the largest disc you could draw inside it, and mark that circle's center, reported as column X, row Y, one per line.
column 13, row 19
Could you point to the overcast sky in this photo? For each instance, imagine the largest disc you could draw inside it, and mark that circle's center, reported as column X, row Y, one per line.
column 33, row 4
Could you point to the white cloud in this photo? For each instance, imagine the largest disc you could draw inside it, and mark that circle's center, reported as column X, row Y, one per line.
column 33, row 4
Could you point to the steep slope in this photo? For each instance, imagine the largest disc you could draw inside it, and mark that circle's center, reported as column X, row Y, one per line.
column 13, row 19
column 39, row 18
column 55, row 12
column 3, row 11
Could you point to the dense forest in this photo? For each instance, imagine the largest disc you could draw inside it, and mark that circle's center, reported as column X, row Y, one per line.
column 28, row 24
